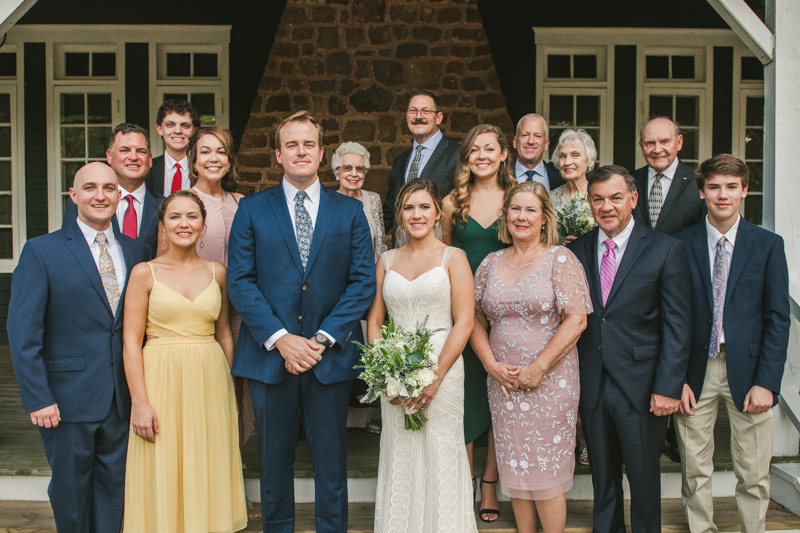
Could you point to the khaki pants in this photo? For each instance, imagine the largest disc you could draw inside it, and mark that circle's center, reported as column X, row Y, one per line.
column 751, row 447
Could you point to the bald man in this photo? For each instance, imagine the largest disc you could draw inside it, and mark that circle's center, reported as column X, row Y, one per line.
column 65, row 332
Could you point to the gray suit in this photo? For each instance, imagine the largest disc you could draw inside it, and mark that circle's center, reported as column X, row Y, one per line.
column 682, row 208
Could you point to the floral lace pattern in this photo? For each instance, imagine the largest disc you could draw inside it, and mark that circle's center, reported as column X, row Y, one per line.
column 535, row 430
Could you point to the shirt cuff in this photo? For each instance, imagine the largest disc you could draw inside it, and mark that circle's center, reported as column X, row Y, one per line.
column 270, row 344
column 333, row 341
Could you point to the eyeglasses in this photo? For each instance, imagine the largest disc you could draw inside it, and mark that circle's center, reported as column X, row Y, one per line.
column 347, row 169
column 424, row 112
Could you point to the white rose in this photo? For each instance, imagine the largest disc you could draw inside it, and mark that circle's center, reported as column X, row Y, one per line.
column 510, row 405
column 424, row 376
column 393, row 386
column 524, row 406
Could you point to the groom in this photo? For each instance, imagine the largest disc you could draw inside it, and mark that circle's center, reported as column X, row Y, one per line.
column 301, row 273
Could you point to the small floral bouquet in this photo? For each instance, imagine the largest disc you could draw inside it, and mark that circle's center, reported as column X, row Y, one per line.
column 399, row 364
column 575, row 216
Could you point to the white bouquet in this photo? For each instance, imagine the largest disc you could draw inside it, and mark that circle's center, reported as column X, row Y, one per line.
column 399, row 364
column 575, row 216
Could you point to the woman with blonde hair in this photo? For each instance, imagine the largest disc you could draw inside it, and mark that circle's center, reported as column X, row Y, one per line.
column 470, row 222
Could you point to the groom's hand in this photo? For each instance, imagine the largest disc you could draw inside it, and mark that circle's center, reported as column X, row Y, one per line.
column 297, row 352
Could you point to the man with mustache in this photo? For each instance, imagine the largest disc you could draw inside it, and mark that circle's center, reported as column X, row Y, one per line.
column 432, row 156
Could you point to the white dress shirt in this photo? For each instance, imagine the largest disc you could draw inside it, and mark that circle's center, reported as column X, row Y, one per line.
column 138, row 206
column 169, row 173
column 427, row 149
column 727, row 250
column 621, row 240
column 666, row 181
column 114, row 250
column 311, row 203
column 539, row 173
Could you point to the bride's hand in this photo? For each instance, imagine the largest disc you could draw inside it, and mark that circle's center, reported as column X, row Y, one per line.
column 424, row 399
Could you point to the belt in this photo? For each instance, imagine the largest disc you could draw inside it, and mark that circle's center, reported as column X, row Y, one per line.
column 188, row 339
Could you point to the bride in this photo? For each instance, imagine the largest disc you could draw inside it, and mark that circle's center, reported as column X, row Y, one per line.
column 423, row 476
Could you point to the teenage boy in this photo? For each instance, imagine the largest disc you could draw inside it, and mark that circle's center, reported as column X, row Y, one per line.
column 176, row 121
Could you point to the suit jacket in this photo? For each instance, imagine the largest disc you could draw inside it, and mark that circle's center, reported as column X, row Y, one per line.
column 271, row 291
column 682, row 207
column 553, row 174
column 641, row 336
column 148, row 230
column 756, row 314
column 66, row 344
column 439, row 169
column 155, row 179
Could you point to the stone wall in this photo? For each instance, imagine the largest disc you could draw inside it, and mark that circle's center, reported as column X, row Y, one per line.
column 353, row 65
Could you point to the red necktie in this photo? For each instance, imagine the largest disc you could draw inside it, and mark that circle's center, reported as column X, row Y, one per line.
column 130, row 223
column 177, row 180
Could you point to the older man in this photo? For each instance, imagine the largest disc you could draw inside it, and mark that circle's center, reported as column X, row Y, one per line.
column 531, row 141
column 634, row 351
column 432, row 156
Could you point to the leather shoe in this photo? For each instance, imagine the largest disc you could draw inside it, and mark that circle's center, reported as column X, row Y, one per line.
column 673, row 453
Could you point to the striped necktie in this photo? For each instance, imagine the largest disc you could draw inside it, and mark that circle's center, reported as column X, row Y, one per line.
column 655, row 201
column 412, row 172
column 608, row 268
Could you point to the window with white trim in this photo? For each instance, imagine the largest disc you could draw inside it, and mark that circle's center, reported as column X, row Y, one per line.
column 12, row 193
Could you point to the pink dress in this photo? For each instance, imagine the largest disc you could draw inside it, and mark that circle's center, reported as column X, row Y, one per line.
column 534, row 431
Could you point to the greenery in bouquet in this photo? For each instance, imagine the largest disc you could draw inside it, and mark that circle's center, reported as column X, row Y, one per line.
column 399, row 364
column 575, row 216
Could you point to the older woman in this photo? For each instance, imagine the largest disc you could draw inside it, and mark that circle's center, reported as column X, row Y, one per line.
column 350, row 163
column 531, row 305
column 575, row 155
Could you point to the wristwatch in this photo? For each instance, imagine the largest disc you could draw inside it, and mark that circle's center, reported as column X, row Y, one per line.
column 322, row 340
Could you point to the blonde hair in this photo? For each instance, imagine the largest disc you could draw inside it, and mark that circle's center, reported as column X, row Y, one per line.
column 410, row 188
column 463, row 181
column 549, row 230
column 300, row 116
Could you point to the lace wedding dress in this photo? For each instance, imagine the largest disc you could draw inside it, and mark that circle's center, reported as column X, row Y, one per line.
column 424, row 484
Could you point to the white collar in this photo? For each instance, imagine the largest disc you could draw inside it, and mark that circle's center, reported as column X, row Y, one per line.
column 521, row 169
column 313, row 191
column 622, row 237
column 430, row 144
column 714, row 235
column 90, row 233
column 138, row 194
column 170, row 163
column 669, row 173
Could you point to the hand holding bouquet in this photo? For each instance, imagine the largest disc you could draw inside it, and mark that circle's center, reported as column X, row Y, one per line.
column 575, row 216
column 398, row 365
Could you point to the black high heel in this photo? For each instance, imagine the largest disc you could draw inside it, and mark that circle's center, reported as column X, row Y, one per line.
column 495, row 512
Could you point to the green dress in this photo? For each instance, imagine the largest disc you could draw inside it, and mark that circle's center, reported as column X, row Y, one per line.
column 477, row 242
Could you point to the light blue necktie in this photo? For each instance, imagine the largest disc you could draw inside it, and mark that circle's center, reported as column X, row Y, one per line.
column 719, row 281
column 305, row 230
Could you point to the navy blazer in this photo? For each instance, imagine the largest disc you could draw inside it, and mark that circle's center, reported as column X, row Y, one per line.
column 66, row 343
column 641, row 336
column 682, row 208
column 756, row 315
column 271, row 291
column 155, row 178
column 148, row 229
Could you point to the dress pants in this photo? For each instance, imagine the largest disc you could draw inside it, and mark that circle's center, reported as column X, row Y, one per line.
column 751, row 447
column 616, row 433
column 87, row 490
column 277, row 409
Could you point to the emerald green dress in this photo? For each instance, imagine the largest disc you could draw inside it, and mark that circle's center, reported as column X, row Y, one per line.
column 477, row 242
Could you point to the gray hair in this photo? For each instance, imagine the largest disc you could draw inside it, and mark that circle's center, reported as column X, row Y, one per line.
column 348, row 148
column 588, row 145
column 534, row 116
column 641, row 130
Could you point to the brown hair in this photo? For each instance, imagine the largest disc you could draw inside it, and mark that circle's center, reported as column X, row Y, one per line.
column 721, row 165
column 300, row 116
column 463, row 181
column 162, row 209
column 549, row 230
column 181, row 107
column 410, row 188
column 224, row 136
column 607, row 172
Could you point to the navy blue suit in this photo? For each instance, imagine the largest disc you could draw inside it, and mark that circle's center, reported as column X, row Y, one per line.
column 148, row 229
column 66, row 345
column 756, row 313
column 271, row 291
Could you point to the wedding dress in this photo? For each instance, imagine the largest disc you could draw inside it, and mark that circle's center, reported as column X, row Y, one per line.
column 424, row 482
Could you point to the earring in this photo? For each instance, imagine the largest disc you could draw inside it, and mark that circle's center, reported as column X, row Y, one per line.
column 202, row 242
column 164, row 243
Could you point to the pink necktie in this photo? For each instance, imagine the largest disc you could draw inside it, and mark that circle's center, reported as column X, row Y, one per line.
column 130, row 223
column 177, row 180
column 608, row 268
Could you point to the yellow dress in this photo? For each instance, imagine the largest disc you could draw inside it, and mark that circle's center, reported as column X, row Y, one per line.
column 190, row 479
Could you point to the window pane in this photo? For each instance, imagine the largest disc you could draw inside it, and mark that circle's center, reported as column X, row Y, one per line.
column 179, row 65
column 754, row 209
column 5, row 175
column 104, row 64
column 5, row 209
column 558, row 66
column 8, row 64
column 686, row 110
column 99, row 108
column 754, row 143
column 176, row 96
column 594, row 133
column 561, row 110
column 73, row 142
column 682, row 67
column 755, row 111
column 68, row 171
column 5, row 107
column 756, row 176
column 76, row 63
column 752, row 69
column 555, row 134
column 657, row 67
column 98, row 141
column 6, row 244
column 584, row 66
column 72, row 110
column 588, row 111
column 205, row 65
column 661, row 106
column 204, row 103
column 5, row 141
column 690, row 148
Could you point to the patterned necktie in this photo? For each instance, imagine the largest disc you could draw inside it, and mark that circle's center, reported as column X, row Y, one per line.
column 412, row 172
column 655, row 201
column 530, row 174
column 305, row 230
column 719, row 286
column 608, row 268
column 107, row 272
column 177, row 180
column 130, row 222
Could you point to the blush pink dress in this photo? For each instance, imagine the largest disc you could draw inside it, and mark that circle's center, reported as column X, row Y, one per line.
column 534, row 431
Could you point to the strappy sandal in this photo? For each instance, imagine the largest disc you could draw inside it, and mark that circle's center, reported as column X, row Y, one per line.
column 491, row 512
column 583, row 457
column 252, row 515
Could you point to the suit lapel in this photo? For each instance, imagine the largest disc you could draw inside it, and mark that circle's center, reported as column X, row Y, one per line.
column 149, row 218
column 741, row 250
column 127, row 253
column 281, row 211
column 679, row 182
column 324, row 216
column 700, row 250
column 642, row 186
column 436, row 156
column 594, row 272
column 76, row 243
column 636, row 244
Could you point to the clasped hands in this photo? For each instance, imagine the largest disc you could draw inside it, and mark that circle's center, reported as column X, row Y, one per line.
column 299, row 353
column 514, row 378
